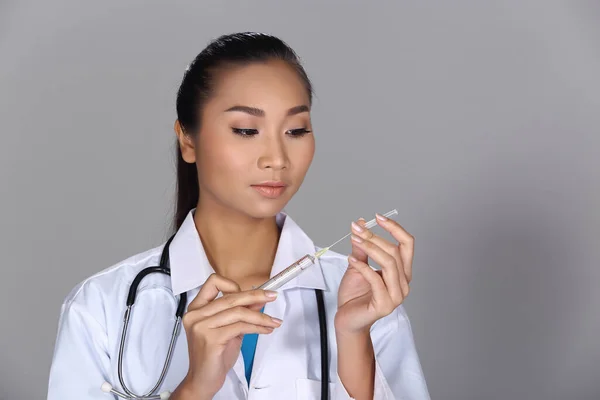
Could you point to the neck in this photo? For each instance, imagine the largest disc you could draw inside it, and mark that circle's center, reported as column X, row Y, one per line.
column 238, row 247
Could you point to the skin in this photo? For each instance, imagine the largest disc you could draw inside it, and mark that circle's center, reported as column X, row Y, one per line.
column 239, row 233
column 236, row 224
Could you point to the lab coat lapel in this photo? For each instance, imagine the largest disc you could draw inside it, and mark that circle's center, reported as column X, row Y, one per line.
column 277, row 308
column 274, row 309
column 190, row 269
column 189, row 265
column 293, row 244
column 240, row 370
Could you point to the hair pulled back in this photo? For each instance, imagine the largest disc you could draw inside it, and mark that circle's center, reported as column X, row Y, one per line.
column 198, row 84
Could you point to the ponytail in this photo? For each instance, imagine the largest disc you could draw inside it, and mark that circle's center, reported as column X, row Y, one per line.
column 187, row 189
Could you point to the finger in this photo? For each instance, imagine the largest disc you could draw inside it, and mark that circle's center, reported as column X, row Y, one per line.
column 404, row 286
column 246, row 298
column 388, row 247
column 381, row 296
column 241, row 314
column 257, row 306
column 362, row 221
column 390, row 269
column 394, row 251
column 234, row 330
column 211, row 288
column 357, row 252
column 405, row 239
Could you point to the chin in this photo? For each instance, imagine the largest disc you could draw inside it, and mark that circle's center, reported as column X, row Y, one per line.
column 266, row 210
column 258, row 207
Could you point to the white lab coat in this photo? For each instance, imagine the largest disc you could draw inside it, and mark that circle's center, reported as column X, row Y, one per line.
column 286, row 363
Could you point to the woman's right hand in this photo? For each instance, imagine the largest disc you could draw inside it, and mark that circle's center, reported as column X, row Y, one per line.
column 215, row 329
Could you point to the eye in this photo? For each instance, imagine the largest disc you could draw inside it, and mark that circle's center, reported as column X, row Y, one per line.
column 245, row 132
column 298, row 132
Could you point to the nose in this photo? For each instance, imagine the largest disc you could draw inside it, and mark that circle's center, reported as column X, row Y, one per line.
column 274, row 155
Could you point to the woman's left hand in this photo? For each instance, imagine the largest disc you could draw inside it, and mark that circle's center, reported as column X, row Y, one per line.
column 366, row 295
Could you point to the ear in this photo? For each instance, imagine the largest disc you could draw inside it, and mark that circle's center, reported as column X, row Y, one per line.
column 186, row 144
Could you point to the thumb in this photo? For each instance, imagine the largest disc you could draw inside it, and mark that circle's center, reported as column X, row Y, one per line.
column 356, row 252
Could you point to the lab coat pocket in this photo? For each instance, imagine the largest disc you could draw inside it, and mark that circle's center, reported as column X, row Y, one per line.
column 310, row 389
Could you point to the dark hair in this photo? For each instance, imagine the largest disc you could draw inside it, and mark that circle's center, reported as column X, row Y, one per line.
column 198, row 84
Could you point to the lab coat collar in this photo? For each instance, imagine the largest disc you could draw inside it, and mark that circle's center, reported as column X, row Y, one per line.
column 190, row 267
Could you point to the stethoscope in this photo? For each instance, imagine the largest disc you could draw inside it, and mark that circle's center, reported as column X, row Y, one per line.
column 164, row 268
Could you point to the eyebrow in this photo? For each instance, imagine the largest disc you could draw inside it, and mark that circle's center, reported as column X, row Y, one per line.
column 257, row 112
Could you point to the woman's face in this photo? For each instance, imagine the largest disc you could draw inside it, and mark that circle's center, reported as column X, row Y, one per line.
column 255, row 142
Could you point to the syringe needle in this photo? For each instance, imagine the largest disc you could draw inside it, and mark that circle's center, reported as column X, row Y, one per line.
column 326, row 249
column 368, row 225
column 337, row 241
column 306, row 261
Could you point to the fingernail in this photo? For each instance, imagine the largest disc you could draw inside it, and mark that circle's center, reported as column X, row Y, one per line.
column 356, row 227
column 271, row 294
column 352, row 259
column 380, row 217
column 356, row 239
column 277, row 320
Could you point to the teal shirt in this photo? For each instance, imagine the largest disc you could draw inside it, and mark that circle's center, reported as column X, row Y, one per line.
column 248, row 349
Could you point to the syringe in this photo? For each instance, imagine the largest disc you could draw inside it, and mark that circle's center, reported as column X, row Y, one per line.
column 309, row 259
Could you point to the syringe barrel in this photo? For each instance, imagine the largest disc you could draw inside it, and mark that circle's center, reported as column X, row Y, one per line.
column 288, row 274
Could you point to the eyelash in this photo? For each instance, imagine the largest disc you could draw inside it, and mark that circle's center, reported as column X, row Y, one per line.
column 248, row 133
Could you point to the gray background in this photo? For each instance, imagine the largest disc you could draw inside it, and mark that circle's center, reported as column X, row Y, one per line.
column 478, row 120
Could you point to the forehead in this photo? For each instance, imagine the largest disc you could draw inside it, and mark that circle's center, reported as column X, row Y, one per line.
column 266, row 85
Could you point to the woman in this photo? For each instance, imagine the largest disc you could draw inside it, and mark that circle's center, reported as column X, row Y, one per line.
column 245, row 143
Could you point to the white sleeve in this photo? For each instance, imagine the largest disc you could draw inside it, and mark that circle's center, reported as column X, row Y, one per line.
column 80, row 361
column 398, row 373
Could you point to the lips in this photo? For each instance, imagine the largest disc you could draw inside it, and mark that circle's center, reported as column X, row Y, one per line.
column 271, row 190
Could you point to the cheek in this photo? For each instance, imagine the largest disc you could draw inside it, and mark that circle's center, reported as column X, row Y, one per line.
column 219, row 160
column 304, row 153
